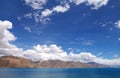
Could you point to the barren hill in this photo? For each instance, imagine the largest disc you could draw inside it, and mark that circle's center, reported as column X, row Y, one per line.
column 18, row 62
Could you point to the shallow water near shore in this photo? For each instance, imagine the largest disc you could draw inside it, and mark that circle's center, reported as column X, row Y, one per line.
column 60, row 73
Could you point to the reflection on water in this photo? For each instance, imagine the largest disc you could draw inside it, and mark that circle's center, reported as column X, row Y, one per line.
column 59, row 73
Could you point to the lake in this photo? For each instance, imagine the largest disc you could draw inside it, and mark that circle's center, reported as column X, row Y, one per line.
column 60, row 73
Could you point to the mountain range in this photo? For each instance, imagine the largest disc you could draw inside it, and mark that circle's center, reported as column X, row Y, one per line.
column 18, row 62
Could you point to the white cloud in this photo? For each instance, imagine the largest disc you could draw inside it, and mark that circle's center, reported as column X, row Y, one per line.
column 118, row 24
column 28, row 29
column 43, row 15
column 5, row 37
column 61, row 9
column 88, row 57
column 57, row 9
column 108, row 61
column 95, row 3
column 77, row 2
column 45, row 52
column 46, row 12
column 54, row 52
column 82, row 57
column 36, row 4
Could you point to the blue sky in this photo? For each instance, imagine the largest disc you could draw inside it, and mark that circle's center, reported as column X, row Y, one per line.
column 82, row 27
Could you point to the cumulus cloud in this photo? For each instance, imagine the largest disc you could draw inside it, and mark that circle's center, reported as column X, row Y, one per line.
column 63, row 6
column 45, row 52
column 54, row 52
column 57, row 9
column 36, row 4
column 43, row 16
column 95, row 3
column 118, row 24
column 5, row 38
column 46, row 12
column 77, row 2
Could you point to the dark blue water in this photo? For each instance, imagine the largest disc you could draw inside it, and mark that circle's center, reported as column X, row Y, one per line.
column 60, row 73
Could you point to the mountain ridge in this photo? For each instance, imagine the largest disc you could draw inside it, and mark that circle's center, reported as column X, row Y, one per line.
column 18, row 62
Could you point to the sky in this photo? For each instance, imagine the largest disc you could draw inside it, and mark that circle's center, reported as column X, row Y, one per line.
column 68, row 30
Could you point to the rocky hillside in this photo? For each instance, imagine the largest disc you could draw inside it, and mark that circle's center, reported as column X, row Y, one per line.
column 17, row 62
column 63, row 64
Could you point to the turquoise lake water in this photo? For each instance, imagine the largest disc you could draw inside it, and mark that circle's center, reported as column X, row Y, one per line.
column 60, row 73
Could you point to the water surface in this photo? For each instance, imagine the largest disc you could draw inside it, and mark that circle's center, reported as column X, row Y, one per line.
column 60, row 73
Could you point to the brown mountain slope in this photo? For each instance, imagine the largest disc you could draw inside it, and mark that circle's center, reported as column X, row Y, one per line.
column 17, row 62
column 63, row 64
